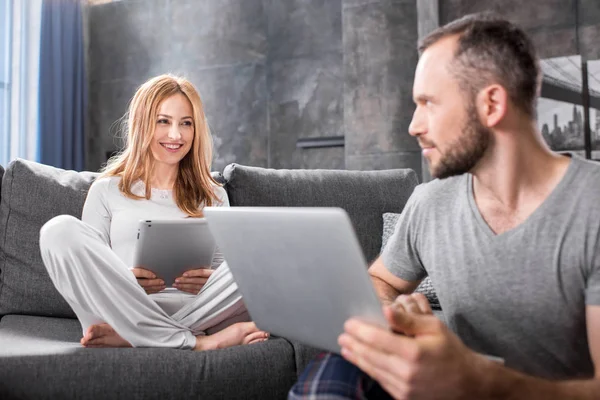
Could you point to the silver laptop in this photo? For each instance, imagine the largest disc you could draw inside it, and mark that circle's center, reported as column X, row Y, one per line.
column 301, row 271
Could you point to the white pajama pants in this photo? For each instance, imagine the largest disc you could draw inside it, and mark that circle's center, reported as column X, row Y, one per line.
column 99, row 287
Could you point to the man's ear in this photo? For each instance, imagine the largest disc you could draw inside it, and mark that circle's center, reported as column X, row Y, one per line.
column 492, row 103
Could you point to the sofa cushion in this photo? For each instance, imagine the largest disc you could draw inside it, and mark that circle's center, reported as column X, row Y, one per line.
column 40, row 358
column 365, row 195
column 426, row 286
column 32, row 194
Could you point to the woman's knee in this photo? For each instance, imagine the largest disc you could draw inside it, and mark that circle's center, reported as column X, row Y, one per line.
column 60, row 233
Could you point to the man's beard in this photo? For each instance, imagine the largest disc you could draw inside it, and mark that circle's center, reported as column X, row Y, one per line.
column 466, row 151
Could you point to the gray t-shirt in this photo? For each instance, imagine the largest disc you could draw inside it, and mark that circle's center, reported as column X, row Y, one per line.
column 520, row 295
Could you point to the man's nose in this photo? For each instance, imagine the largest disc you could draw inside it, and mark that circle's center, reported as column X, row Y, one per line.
column 418, row 124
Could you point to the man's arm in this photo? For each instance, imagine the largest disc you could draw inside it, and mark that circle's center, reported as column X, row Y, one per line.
column 387, row 285
column 518, row 386
column 406, row 366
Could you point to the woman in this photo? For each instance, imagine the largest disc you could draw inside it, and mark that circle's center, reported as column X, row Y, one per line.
column 164, row 171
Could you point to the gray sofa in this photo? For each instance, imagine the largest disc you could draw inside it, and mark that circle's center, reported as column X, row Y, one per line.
column 40, row 355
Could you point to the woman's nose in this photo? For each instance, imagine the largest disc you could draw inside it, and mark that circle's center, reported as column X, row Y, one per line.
column 174, row 132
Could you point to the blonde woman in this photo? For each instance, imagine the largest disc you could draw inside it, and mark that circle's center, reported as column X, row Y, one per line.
column 164, row 172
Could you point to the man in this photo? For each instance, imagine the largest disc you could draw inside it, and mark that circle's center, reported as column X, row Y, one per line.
column 509, row 234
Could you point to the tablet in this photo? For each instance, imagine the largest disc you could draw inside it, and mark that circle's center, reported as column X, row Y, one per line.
column 169, row 247
column 301, row 271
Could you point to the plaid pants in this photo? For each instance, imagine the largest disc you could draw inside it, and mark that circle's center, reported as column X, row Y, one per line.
column 330, row 377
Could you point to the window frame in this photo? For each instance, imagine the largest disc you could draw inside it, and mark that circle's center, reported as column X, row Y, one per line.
column 6, row 84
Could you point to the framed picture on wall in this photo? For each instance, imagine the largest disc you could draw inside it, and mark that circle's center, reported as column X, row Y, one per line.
column 562, row 118
column 560, row 107
column 594, row 84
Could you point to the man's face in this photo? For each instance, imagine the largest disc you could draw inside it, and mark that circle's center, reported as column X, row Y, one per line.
column 446, row 122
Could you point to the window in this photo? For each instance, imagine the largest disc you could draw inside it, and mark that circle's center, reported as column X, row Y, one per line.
column 19, row 74
column 5, row 63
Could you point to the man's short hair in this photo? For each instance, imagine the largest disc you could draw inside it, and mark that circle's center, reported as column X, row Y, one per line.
column 492, row 50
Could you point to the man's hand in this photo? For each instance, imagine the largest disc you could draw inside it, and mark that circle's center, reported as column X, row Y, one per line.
column 148, row 280
column 415, row 303
column 193, row 280
column 430, row 363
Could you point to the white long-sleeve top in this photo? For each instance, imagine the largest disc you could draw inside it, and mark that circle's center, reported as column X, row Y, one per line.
column 116, row 216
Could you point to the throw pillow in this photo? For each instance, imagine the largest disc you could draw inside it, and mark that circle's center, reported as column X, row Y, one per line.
column 426, row 286
column 32, row 194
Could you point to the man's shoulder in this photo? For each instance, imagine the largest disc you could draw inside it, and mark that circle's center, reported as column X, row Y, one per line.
column 440, row 191
column 589, row 168
column 587, row 178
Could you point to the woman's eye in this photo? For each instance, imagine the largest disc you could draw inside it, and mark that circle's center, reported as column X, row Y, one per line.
column 187, row 123
column 163, row 121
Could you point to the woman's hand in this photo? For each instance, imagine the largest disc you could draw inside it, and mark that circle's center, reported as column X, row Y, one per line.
column 234, row 335
column 193, row 280
column 148, row 280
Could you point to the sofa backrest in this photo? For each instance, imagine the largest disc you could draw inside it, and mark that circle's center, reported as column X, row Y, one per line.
column 32, row 194
column 365, row 195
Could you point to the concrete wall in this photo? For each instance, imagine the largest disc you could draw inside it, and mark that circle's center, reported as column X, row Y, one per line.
column 305, row 81
column 220, row 45
column 551, row 23
column 379, row 58
column 270, row 72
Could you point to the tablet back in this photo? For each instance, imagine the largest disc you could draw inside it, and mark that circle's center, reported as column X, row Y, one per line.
column 300, row 270
column 169, row 247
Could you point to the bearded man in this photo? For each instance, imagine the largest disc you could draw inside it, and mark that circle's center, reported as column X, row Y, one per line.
column 509, row 234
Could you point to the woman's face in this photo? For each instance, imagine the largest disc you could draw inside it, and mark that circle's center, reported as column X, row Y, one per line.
column 174, row 132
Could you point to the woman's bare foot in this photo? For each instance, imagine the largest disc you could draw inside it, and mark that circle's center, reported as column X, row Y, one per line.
column 234, row 335
column 103, row 335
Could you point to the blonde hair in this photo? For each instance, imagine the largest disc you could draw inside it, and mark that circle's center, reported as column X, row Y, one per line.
column 194, row 185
